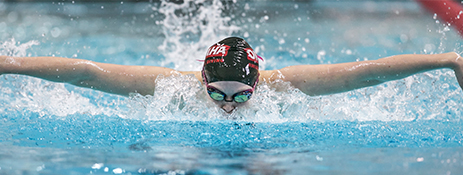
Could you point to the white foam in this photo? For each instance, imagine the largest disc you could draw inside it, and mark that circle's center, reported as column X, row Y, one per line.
column 13, row 48
column 189, row 29
column 182, row 98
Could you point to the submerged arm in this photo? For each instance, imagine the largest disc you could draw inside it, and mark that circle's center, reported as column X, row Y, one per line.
column 112, row 78
column 335, row 78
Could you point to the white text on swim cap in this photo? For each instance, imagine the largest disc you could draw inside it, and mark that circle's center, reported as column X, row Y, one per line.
column 217, row 50
column 251, row 55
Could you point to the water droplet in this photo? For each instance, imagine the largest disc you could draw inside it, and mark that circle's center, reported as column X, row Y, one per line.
column 97, row 165
column 55, row 32
column 446, row 28
column 445, row 85
column 117, row 171
column 403, row 38
column 349, row 52
column 307, row 40
column 12, row 16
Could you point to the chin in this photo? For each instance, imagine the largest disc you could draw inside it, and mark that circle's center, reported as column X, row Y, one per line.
column 230, row 112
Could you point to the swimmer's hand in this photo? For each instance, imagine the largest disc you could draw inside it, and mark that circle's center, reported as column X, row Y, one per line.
column 458, row 68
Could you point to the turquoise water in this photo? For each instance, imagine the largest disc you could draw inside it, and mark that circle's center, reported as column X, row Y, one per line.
column 410, row 126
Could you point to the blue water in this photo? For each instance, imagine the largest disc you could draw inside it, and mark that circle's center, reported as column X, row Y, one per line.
column 410, row 126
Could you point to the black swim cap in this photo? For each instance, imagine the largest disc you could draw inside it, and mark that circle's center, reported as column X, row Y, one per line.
column 231, row 59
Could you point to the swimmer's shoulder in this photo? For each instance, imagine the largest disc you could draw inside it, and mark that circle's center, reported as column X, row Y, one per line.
column 197, row 74
column 270, row 75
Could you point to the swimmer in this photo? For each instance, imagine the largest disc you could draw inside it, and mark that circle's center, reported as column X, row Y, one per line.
column 231, row 73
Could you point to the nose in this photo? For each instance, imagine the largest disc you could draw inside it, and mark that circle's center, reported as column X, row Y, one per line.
column 228, row 108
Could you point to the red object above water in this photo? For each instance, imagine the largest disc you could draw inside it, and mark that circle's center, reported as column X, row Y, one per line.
column 447, row 10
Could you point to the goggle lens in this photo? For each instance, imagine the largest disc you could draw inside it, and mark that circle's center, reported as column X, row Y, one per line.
column 243, row 97
column 239, row 97
column 216, row 96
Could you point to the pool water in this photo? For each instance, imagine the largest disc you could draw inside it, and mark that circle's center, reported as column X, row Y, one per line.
column 409, row 126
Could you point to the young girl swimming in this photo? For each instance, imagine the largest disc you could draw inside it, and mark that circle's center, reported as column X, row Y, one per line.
column 231, row 73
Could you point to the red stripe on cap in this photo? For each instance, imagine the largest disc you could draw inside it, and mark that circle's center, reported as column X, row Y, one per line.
column 253, row 66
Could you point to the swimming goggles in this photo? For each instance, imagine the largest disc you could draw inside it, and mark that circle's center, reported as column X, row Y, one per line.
column 239, row 97
column 218, row 95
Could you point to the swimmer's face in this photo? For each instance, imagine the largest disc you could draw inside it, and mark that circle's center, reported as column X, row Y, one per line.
column 230, row 88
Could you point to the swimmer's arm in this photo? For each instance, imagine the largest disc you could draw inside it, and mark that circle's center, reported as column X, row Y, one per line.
column 197, row 74
column 111, row 78
column 335, row 78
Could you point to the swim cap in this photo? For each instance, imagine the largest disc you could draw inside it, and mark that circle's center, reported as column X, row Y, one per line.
column 231, row 59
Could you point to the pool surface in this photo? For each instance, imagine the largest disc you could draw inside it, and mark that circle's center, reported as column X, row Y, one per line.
column 409, row 126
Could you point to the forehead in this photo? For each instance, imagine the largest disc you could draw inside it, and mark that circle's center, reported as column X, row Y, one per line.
column 230, row 87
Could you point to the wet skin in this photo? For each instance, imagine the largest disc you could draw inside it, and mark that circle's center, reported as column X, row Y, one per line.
column 312, row 80
column 229, row 88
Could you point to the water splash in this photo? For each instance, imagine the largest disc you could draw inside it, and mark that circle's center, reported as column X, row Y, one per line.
column 190, row 28
column 175, row 98
column 279, row 131
column 13, row 48
column 427, row 96
column 47, row 98
column 414, row 98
